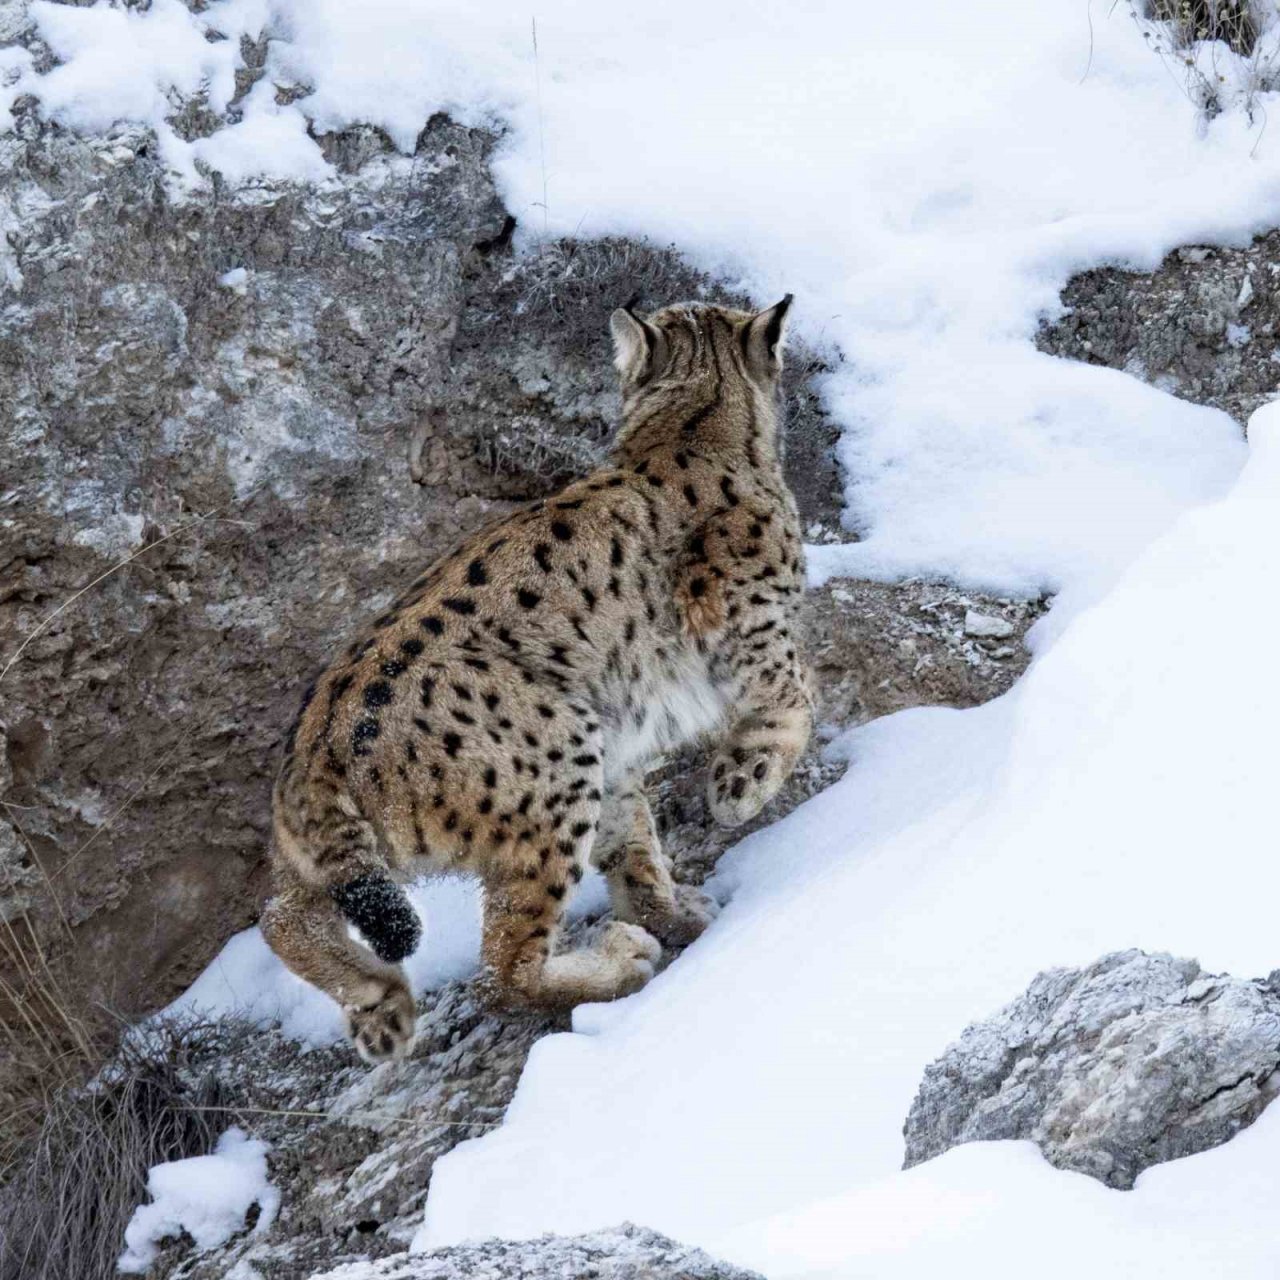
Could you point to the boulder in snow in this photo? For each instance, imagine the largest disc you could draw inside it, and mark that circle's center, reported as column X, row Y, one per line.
column 1132, row 1061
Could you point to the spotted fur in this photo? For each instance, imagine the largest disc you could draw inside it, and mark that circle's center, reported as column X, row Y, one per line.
column 499, row 717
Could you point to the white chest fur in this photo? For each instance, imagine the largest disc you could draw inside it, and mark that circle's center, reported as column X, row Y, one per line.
column 677, row 708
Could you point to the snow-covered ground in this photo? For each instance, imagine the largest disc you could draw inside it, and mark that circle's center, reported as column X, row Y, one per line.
column 1123, row 794
column 924, row 181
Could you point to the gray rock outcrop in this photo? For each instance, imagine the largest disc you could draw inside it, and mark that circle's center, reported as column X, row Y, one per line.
column 622, row 1253
column 1205, row 325
column 1110, row 1069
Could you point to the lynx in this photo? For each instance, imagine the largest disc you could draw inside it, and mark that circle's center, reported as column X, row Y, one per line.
column 499, row 718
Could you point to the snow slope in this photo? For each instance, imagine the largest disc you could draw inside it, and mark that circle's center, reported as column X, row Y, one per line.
column 1123, row 794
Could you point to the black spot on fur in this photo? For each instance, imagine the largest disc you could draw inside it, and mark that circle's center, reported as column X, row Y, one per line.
column 542, row 554
column 476, row 576
column 377, row 694
column 432, row 625
column 561, row 530
column 366, row 729
column 528, row 599
column 463, row 607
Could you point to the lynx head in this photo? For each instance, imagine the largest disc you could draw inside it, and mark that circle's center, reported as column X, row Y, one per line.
column 700, row 372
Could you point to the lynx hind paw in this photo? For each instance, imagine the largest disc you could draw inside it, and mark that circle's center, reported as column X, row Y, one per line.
column 383, row 1029
column 743, row 781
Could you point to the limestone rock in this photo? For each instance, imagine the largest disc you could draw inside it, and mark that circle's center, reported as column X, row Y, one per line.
column 1110, row 1069
column 1205, row 325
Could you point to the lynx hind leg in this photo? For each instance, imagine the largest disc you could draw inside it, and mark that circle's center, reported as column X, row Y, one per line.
column 525, row 897
column 304, row 927
column 754, row 762
column 641, row 889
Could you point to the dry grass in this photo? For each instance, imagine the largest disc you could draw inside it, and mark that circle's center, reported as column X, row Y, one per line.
column 68, row 1191
column 1231, row 21
column 1188, row 37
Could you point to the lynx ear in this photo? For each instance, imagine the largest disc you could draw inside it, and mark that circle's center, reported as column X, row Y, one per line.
column 637, row 345
column 762, row 337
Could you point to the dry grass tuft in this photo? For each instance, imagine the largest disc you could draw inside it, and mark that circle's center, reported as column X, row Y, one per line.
column 1190, row 36
column 67, row 1192
column 1231, row 21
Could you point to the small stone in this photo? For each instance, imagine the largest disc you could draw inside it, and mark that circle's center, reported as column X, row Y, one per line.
column 986, row 625
column 236, row 280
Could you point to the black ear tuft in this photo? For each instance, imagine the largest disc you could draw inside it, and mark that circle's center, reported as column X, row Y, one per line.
column 777, row 317
column 631, row 304
column 379, row 908
column 762, row 338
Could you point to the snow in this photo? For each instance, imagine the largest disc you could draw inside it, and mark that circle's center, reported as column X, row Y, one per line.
column 997, row 1209
column 207, row 1197
column 923, row 186
column 247, row 980
column 1121, row 795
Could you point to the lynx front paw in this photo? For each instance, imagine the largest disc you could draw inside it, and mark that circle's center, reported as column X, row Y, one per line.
column 630, row 953
column 742, row 782
column 689, row 916
column 383, row 1029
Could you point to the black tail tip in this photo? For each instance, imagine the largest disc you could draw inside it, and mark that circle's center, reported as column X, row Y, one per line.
column 381, row 910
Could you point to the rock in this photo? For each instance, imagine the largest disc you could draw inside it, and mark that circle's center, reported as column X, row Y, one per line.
column 1183, row 326
column 1135, row 1060
column 622, row 1253
column 986, row 626
column 350, row 1148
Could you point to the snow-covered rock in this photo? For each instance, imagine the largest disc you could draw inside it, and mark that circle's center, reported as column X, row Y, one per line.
column 207, row 1198
column 1132, row 1061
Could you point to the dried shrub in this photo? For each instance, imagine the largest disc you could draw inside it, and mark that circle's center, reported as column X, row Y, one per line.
column 68, row 1191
